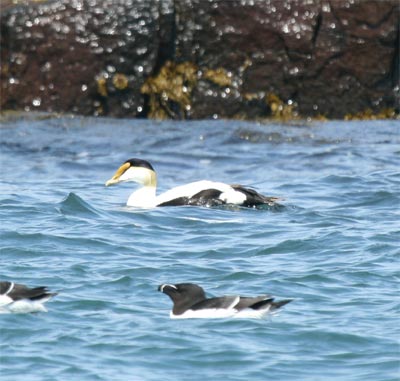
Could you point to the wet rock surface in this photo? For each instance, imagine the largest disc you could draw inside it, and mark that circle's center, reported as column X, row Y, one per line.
column 201, row 59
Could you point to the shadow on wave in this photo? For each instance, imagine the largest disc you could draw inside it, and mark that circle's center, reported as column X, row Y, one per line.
column 73, row 204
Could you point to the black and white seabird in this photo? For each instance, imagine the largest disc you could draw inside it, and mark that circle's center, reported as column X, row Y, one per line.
column 18, row 298
column 190, row 302
column 199, row 193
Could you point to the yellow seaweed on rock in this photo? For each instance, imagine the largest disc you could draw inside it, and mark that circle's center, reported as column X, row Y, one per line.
column 174, row 82
column 170, row 92
column 219, row 76
column 102, row 86
column 280, row 110
column 120, row 81
column 368, row 114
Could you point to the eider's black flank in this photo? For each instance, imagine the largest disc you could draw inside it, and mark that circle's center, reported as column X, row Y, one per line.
column 207, row 197
column 253, row 198
column 180, row 201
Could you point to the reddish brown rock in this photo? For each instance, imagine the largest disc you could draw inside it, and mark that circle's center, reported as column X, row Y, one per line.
column 104, row 57
column 63, row 56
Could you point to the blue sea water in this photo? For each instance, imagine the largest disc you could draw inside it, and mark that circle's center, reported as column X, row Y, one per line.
column 333, row 247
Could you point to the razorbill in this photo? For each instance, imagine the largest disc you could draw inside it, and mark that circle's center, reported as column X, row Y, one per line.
column 18, row 298
column 200, row 193
column 190, row 301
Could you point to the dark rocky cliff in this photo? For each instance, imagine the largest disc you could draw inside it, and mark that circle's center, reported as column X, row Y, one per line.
column 201, row 59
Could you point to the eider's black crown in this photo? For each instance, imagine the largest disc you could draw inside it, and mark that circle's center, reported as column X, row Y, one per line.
column 140, row 163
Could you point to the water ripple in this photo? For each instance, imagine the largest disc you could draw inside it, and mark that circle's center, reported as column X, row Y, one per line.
column 332, row 247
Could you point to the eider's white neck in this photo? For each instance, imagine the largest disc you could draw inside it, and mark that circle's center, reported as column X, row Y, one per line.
column 144, row 197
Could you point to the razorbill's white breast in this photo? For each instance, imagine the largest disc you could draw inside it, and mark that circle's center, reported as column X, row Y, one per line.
column 200, row 193
column 18, row 298
column 190, row 301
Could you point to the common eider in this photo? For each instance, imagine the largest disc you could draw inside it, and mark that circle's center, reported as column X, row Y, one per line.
column 18, row 298
column 199, row 193
column 190, row 302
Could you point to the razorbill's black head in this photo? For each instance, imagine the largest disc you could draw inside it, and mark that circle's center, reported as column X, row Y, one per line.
column 190, row 302
column 18, row 298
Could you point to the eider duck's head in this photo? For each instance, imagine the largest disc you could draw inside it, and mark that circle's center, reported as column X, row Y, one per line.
column 137, row 170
